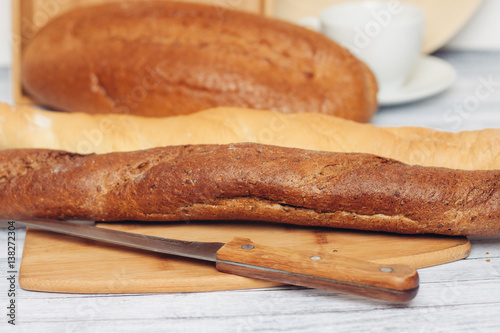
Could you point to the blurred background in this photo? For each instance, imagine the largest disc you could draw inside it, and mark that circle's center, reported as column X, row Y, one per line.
column 5, row 56
column 480, row 33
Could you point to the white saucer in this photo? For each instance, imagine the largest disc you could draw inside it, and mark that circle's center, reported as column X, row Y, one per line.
column 431, row 76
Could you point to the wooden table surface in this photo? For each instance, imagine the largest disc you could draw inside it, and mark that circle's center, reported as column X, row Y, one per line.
column 462, row 296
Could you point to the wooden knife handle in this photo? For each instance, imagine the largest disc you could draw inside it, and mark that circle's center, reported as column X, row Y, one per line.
column 395, row 283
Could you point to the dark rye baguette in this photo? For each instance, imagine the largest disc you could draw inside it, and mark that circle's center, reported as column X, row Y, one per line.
column 165, row 58
column 250, row 182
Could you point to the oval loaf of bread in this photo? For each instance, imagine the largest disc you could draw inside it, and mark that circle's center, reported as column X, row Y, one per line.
column 27, row 127
column 249, row 182
column 164, row 58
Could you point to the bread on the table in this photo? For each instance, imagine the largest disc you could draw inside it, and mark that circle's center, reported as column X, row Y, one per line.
column 250, row 182
column 27, row 127
column 164, row 58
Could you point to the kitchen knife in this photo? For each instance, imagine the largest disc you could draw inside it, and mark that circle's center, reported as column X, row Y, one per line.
column 240, row 256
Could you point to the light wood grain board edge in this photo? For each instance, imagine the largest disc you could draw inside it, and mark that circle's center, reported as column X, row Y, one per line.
column 16, row 39
column 436, row 258
column 154, row 285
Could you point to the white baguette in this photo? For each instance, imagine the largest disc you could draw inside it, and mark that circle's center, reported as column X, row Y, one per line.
column 28, row 127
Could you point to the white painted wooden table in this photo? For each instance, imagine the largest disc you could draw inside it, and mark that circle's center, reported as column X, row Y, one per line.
column 462, row 296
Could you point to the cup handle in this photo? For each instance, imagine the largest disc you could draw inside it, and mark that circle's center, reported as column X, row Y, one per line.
column 310, row 22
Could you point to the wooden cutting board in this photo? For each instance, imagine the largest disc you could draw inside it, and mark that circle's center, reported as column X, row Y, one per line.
column 58, row 263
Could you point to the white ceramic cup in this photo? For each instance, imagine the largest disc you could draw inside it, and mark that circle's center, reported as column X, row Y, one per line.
column 387, row 36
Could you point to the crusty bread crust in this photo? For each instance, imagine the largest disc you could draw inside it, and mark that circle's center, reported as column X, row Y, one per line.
column 27, row 127
column 164, row 58
column 250, row 182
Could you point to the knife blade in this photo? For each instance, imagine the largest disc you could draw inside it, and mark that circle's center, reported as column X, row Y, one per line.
column 241, row 256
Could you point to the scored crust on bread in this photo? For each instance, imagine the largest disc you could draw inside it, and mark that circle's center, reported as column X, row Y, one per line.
column 250, row 182
column 28, row 127
column 164, row 58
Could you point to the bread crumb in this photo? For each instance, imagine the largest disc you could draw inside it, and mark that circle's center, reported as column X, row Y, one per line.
column 488, row 260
